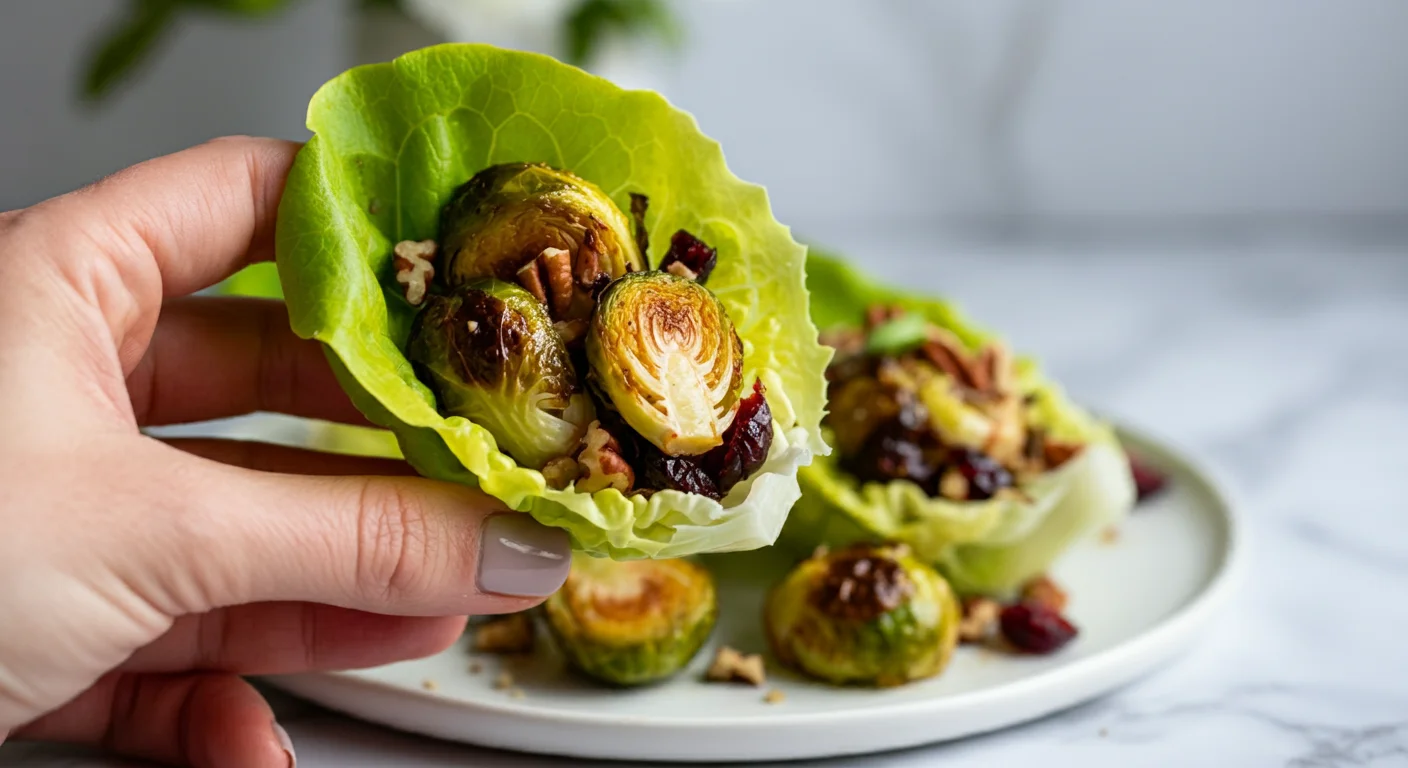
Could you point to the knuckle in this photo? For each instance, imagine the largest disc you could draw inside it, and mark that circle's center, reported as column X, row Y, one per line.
column 394, row 545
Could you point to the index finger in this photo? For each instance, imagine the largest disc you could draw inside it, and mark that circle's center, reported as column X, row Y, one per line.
column 198, row 215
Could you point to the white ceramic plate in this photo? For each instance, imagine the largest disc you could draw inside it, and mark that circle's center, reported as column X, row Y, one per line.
column 1137, row 599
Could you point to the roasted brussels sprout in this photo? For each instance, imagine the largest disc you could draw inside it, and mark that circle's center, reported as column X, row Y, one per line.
column 865, row 615
column 663, row 350
column 490, row 354
column 508, row 218
column 634, row 622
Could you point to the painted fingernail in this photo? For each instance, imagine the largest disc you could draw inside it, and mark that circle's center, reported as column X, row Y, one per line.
column 286, row 743
column 520, row 556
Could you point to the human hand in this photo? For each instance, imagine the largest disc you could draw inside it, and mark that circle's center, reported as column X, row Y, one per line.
column 139, row 577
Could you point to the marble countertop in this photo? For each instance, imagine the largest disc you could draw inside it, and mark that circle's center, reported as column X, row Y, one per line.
column 1283, row 361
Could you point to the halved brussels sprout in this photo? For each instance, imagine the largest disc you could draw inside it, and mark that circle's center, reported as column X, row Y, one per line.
column 628, row 623
column 664, row 350
column 490, row 354
column 508, row 215
column 864, row 615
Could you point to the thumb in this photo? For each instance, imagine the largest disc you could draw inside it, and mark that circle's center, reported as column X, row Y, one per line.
column 392, row 545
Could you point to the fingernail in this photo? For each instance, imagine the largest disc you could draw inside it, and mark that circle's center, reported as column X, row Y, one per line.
column 286, row 743
column 520, row 556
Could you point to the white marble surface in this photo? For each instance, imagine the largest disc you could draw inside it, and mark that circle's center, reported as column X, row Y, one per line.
column 1284, row 361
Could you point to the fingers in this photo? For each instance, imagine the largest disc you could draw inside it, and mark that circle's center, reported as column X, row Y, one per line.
column 201, row 720
column 396, row 545
column 167, row 227
column 223, row 536
column 265, row 457
column 210, row 358
column 197, row 216
column 280, row 638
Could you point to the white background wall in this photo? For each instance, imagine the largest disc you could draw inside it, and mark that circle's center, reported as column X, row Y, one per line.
column 877, row 112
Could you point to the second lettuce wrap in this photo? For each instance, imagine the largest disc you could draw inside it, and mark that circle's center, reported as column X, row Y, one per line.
column 990, row 546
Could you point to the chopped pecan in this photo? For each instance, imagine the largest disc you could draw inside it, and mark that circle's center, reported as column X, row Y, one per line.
column 511, row 634
column 678, row 269
column 730, row 666
column 602, row 464
column 879, row 314
column 1000, row 370
column 1043, row 591
column 980, row 617
column 414, row 263
column 565, row 284
column 1007, row 440
column 561, row 472
column 1058, row 452
column 946, row 353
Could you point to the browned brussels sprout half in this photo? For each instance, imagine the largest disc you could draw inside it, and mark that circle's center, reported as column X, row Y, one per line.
column 557, row 235
column 628, row 623
column 663, row 350
column 865, row 615
column 489, row 353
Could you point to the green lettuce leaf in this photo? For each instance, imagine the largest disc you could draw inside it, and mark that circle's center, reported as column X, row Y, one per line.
column 393, row 140
column 988, row 546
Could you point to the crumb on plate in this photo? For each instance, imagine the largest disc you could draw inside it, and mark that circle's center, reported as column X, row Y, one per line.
column 730, row 666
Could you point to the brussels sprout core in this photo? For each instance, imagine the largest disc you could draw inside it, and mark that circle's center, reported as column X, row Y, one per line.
column 866, row 615
column 633, row 622
column 525, row 216
column 663, row 349
column 490, row 354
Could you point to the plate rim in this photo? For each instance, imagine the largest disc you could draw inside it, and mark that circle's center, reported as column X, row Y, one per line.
column 1112, row 667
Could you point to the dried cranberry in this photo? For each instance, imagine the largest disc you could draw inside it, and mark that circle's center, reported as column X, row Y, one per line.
column 692, row 253
column 1147, row 480
column 892, row 452
column 1035, row 628
column 746, row 442
column 657, row 471
column 984, row 474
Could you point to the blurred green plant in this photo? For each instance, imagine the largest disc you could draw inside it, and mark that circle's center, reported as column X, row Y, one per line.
column 122, row 49
column 591, row 22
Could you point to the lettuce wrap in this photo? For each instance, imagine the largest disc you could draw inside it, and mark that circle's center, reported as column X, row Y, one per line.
column 989, row 546
column 393, row 141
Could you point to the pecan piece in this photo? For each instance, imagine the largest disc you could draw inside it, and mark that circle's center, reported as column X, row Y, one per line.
column 602, row 464
column 414, row 263
column 567, row 284
column 561, row 472
column 1057, row 452
column 730, row 666
column 511, row 634
column 879, row 314
column 1043, row 591
column 980, row 617
column 945, row 352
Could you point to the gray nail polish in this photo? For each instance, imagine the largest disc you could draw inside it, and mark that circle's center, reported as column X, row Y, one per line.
column 520, row 556
column 286, row 743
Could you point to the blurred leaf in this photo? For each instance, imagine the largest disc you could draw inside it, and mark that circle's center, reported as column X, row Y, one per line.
column 128, row 43
column 592, row 21
column 239, row 7
column 125, row 45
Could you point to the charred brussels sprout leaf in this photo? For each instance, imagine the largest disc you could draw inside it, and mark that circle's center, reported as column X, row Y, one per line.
column 490, row 354
column 507, row 215
column 629, row 623
column 866, row 615
column 663, row 349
